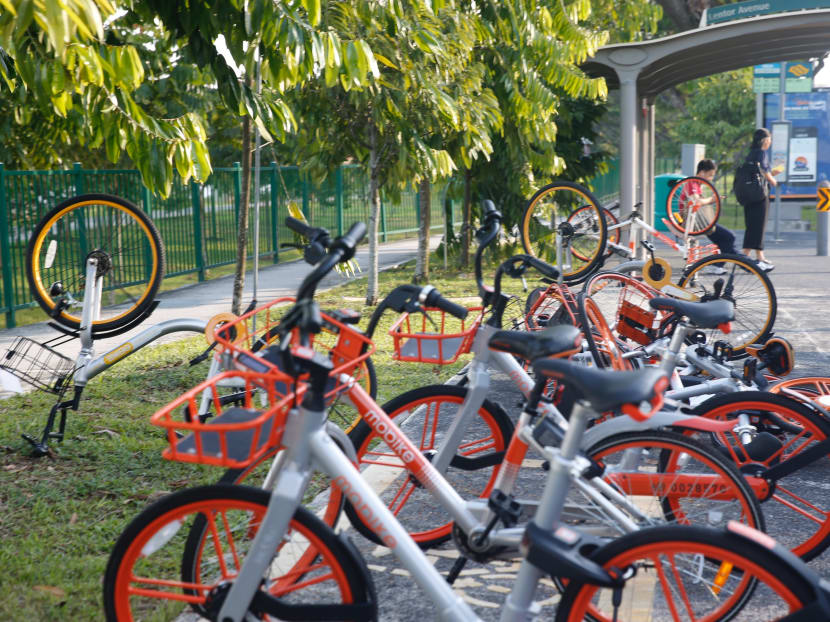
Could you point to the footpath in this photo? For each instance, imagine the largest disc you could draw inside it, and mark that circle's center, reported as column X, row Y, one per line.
column 202, row 301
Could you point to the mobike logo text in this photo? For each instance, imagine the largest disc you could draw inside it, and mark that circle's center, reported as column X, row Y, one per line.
column 392, row 436
column 362, row 508
column 521, row 381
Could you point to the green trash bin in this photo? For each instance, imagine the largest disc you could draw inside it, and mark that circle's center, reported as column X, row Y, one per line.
column 662, row 187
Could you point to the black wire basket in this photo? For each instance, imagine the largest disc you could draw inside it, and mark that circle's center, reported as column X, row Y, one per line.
column 38, row 364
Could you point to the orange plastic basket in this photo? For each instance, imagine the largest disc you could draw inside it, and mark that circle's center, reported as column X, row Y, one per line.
column 434, row 337
column 236, row 435
column 636, row 320
column 247, row 340
column 700, row 251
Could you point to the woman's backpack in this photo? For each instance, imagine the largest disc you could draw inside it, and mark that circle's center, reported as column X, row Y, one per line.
column 749, row 184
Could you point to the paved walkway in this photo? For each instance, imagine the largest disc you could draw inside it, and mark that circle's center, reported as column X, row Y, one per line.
column 204, row 300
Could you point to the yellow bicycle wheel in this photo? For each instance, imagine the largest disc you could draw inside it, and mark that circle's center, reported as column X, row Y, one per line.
column 563, row 222
column 123, row 240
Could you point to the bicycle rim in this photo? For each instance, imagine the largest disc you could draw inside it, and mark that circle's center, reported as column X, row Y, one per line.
column 686, row 200
column 125, row 242
column 683, row 573
column 571, row 211
column 672, row 479
column 747, row 287
column 425, row 415
column 798, row 512
column 166, row 566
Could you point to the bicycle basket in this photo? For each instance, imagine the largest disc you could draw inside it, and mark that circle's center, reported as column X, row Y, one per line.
column 38, row 364
column 698, row 252
column 239, row 433
column 449, row 338
column 636, row 320
column 247, row 340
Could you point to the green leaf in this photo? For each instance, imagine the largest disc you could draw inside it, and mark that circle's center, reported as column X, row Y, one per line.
column 313, row 9
column 366, row 52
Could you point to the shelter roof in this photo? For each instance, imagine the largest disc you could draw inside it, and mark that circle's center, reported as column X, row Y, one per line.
column 668, row 61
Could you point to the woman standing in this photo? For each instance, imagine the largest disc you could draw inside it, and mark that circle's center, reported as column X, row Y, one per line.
column 755, row 214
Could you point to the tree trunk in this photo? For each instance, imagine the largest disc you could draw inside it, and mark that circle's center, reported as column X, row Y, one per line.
column 374, row 217
column 466, row 225
column 424, row 203
column 242, row 229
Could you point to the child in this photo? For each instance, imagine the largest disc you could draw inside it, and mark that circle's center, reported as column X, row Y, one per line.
column 721, row 236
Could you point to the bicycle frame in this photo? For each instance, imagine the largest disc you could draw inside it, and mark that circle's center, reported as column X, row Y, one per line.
column 308, row 444
column 87, row 365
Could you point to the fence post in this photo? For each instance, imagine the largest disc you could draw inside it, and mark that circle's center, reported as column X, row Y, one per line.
column 275, row 213
column 338, row 198
column 196, row 201
column 237, row 190
column 78, row 178
column 5, row 252
column 383, row 219
column 304, row 183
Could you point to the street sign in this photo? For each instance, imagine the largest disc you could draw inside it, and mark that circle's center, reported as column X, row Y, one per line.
column 799, row 77
column 754, row 8
column 766, row 78
column 823, row 204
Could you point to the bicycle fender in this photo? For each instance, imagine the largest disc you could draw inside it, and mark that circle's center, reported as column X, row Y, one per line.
column 630, row 266
column 618, row 425
column 341, row 439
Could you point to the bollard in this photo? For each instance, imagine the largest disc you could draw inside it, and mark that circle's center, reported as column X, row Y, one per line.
column 823, row 222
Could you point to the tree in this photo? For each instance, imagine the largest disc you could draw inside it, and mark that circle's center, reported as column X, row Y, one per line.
column 63, row 55
column 718, row 111
column 423, row 89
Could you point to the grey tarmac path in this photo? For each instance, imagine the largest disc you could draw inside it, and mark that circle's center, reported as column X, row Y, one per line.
column 204, row 300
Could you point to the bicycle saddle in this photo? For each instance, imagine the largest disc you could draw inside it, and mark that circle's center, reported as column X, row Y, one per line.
column 711, row 314
column 559, row 340
column 605, row 390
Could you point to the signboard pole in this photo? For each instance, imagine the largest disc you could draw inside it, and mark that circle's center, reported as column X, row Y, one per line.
column 823, row 221
column 782, row 94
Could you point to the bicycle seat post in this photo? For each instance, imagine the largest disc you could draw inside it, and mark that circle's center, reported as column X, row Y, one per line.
column 669, row 359
column 92, row 303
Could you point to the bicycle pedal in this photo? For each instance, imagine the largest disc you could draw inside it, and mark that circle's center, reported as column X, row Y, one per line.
column 456, row 569
column 38, row 449
column 505, row 507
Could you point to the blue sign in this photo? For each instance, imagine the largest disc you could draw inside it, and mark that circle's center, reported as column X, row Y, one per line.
column 809, row 149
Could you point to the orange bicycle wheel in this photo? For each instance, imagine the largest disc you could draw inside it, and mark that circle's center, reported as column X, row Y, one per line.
column 159, row 567
column 798, row 508
column 689, row 573
column 428, row 412
column 693, row 206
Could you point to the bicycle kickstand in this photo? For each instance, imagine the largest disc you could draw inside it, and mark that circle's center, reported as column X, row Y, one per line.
column 41, row 448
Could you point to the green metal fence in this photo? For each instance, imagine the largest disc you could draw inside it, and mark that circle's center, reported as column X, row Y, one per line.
column 606, row 186
column 198, row 222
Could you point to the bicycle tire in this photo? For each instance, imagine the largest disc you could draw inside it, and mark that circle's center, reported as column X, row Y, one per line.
column 747, row 287
column 695, row 553
column 550, row 207
column 701, row 484
column 153, row 547
column 680, row 200
column 798, row 512
column 109, row 227
column 603, row 346
column 613, row 235
column 489, row 435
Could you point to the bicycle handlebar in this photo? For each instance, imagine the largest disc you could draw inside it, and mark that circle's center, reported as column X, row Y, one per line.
column 431, row 297
column 488, row 232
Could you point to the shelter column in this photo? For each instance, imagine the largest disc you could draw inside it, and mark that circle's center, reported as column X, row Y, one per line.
column 628, row 144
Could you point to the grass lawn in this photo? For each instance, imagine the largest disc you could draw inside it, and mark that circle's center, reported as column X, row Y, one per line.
column 62, row 514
